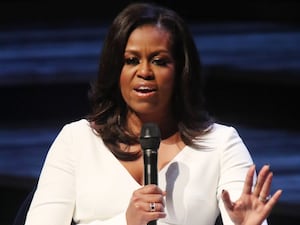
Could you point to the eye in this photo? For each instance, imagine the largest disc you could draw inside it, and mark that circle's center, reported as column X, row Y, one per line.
column 132, row 61
column 160, row 62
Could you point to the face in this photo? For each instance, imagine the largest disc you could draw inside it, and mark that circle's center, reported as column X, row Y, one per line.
column 148, row 74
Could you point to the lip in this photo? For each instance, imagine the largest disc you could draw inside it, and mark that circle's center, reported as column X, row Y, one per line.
column 145, row 89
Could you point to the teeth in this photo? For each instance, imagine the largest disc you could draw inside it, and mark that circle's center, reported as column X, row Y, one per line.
column 144, row 88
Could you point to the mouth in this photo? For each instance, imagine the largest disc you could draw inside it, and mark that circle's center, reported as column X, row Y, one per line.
column 145, row 89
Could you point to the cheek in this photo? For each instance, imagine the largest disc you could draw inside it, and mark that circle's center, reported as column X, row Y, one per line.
column 167, row 82
column 122, row 80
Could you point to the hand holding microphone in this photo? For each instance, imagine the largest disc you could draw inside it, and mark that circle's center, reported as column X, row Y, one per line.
column 147, row 202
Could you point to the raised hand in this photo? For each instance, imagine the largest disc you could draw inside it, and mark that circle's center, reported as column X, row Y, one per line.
column 253, row 206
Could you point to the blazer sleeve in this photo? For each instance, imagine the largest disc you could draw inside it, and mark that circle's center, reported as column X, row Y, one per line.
column 53, row 202
column 235, row 162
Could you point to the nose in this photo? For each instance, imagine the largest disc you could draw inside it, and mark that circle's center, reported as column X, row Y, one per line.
column 145, row 72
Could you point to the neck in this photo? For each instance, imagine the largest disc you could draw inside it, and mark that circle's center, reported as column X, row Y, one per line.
column 167, row 124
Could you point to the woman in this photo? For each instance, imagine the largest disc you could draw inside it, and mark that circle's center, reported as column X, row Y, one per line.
column 149, row 72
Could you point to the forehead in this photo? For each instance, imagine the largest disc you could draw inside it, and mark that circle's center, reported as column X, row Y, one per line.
column 150, row 33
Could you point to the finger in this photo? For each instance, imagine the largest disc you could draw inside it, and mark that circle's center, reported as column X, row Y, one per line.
column 146, row 194
column 155, row 211
column 151, row 189
column 263, row 173
column 274, row 199
column 265, row 191
column 268, row 206
column 226, row 200
column 249, row 180
column 157, row 198
column 271, row 203
column 153, row 207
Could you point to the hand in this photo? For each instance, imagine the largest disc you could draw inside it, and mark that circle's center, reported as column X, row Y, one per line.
column 253, row 207
column 146, row 204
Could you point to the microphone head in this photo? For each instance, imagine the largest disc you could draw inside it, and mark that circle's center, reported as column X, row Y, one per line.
column 150, row 136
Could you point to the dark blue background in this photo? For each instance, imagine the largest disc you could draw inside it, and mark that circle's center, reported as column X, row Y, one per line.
column 251, row 56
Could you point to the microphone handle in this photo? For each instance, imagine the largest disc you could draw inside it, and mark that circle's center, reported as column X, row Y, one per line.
column 153, row 222
column 150, row 166
column 150, row 171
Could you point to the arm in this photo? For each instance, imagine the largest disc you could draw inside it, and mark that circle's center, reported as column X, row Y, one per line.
column 236, row 183
column 54, row 201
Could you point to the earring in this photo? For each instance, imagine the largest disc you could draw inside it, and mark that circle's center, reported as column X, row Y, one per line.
column 119, row 120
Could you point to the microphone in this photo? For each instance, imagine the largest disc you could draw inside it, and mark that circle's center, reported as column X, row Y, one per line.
column 150, row 141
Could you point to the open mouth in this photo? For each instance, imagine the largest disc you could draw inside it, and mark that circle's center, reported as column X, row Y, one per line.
column 144, row 89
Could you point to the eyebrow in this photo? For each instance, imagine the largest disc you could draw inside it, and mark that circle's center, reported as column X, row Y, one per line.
column 136, row 52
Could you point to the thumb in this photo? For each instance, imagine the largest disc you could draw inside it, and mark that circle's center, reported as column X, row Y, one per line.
column 226, row 200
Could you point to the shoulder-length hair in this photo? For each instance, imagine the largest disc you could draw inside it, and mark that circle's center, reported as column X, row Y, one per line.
column 108, row 107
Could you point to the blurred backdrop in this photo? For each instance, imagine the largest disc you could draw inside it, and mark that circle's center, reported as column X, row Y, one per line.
column 251, row 58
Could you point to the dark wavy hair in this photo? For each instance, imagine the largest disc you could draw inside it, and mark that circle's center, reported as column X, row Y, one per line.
column 109, row 110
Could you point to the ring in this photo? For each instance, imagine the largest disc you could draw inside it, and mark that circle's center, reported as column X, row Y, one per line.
column 264, row 199
column 152, row 207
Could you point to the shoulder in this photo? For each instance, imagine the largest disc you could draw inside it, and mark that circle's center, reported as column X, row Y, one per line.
column 78, row 125
column 218, row 135
column 77, row 129
column 76, row 136
column 218, row 130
